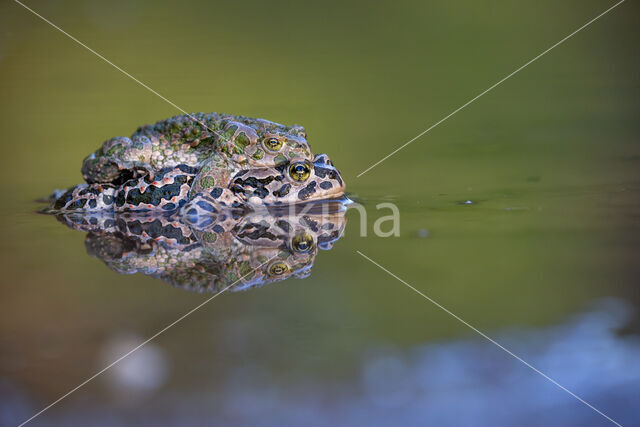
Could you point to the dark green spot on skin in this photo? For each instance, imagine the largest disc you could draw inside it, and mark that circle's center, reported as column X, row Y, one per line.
column 229, row 132
column 115, row 149
column 242, row 140
column 259, row 154
column 206, row 141
column 207, row 182
column 209, row 237
column 280, row 159
column 244, row 269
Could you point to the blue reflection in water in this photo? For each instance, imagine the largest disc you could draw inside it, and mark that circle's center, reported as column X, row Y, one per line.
column 475, row 383
column 472, row 382
column 462, row 382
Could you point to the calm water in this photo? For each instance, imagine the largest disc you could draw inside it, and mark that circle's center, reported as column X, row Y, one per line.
column 544, row 260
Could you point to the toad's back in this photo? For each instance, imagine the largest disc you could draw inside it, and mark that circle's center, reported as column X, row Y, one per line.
column 190, row 140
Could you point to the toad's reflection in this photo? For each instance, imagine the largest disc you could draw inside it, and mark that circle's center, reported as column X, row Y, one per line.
column 235, row 250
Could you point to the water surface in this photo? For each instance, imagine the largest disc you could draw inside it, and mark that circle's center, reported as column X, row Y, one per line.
column 543, row 259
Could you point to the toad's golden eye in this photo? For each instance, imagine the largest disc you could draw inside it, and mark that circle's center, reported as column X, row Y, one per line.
column 302, row 243
column 272, row 144
column 300, row 171
column 278, row 269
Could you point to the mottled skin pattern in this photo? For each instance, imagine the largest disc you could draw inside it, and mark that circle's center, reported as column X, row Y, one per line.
column 191, row 140
column 168, row 191
column 244, row 251
column 267, row 186
column 201, row 164
column 197, row 193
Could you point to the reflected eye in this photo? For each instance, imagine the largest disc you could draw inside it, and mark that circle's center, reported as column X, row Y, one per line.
column 299, row 171
column 272, row 144
column 302, row 243
column 278, row 269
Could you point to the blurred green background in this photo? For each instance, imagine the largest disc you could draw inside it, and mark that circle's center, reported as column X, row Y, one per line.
column 550, row 159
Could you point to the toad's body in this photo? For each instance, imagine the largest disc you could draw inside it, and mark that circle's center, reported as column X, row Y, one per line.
column 207, row 161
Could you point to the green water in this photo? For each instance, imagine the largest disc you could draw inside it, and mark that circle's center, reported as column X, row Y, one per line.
column 549, row 159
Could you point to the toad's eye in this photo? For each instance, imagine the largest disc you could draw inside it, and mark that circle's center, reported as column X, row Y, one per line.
column 272, row 144
column 299, row 171
column 302, row 243
column 278, row 269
